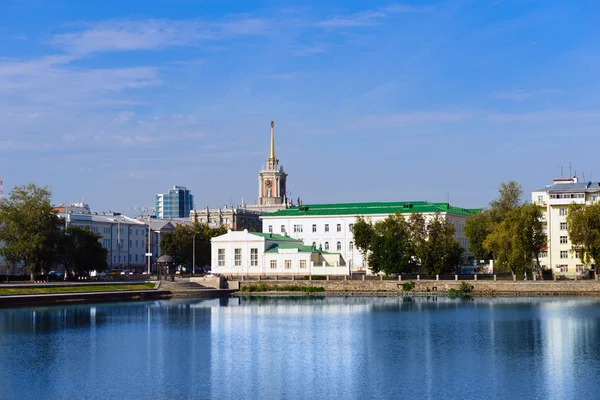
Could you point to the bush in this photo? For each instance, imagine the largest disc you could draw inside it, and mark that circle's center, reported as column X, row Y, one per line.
column 408, row 286
column 452, row 292
column 464, row 287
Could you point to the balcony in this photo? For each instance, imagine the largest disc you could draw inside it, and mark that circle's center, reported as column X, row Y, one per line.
column 566, row 202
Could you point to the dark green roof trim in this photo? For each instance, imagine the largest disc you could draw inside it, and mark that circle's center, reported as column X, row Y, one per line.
column 370, row 209
column 275, row 236
column 301, row 248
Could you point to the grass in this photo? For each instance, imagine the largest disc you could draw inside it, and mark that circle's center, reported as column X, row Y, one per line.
column 76, row 289
column 284, row 288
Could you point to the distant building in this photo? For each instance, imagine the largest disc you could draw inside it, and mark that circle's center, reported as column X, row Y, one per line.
column 177, row 203
column 272, row 196
column 560, row 255
column 329, row 226
column 251, row 253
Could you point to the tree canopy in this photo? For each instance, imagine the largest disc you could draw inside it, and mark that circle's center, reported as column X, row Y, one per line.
column 80, row 252
column 583, row 227
column 29, row 228
column 179, row 244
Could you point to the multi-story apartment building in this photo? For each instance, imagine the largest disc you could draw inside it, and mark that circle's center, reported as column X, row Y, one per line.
column 329, row 226
column 554, row 200
column 177, row 203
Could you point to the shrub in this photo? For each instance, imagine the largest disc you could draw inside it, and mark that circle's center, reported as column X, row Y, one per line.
column 408, row 286
column 464, row 287
column 452, row 292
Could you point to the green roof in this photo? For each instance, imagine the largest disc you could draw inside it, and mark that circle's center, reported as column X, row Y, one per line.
column 275, row 236
column 301, row 248
column 370, row 209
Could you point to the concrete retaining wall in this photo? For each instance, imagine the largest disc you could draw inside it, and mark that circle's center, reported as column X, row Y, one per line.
column 477, row 287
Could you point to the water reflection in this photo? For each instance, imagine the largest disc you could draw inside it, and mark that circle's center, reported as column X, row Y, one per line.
column 301, row 347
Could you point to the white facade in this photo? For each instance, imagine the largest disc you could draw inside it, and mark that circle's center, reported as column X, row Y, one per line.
column 554, row 200
column 246, row 253
column 333, row 232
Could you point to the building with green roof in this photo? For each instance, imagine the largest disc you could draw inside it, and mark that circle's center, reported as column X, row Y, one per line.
column 251, row 253
column 329, row 226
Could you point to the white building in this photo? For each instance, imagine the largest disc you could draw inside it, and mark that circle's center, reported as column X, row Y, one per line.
column 554, row 200
column 123, row 237
column 329, row 226
column 251, row 253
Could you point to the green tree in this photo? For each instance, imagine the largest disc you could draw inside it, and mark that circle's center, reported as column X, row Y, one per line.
column 80, row 252
column 389, row 248
column 435, row 248
column 363, row 233
column 180, row 243
column 509, row 197
column 477, row 228
column 583, row 227
column 29, row 228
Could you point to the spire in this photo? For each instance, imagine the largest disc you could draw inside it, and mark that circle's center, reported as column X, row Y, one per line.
column 272, row 154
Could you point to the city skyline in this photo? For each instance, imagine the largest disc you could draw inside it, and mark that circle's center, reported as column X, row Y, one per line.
column 373, row 101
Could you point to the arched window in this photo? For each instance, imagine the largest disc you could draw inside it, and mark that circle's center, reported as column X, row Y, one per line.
column 314, row 245
column 339, row 246
column 326, row 246
column 351, row 246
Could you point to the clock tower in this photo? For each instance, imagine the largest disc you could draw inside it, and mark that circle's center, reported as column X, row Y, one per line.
column 271, row 179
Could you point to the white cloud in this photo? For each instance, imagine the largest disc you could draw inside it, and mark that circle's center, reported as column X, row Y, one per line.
column 370, row 17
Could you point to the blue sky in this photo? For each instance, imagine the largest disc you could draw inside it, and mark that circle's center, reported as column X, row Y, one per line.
column 113, row 101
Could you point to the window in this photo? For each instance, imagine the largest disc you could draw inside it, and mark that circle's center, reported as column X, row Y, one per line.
column 564, row 254
column 136, row 257
column 288, row 264
column 339, row 246
column 563, row 226
column 563, row 268
column 130, row 243
column 298, row 228
column 350, row 227
column 577, row 254
column 543, row 254
column 351, row 246
column 270, row 228
column 326, row 246
column 106, row 243
column 563, row 240
column 540, row 199
column 593, row 197
column 273, row 264
column 282, row 228
column 254, row 257
column 326, row 227
column 562, row 212
column 339, row 227
column 579, row 268
column 314, row 245
column 302, row 264
column 221, row 257
column 237, row 257
column 314, row 228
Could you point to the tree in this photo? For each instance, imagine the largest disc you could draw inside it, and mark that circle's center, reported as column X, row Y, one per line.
column 29, row 228
column 517, row 240
column 388, row 246
column 477, row 228
column 179, row 244
column 510, row 197
column 435, row 247
column 363, row 234
column 80, row 251
column 583, row 227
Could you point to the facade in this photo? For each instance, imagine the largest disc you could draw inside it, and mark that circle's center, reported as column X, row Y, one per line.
column 329, row 226
column 251, row 253
column 554, row 200
column 125, row 238
column 234, row 218
column 177, row 203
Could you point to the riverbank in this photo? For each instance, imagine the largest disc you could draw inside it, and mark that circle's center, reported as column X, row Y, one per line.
column 476, row 288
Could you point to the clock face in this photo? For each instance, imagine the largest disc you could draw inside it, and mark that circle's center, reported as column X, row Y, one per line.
column 268, row 183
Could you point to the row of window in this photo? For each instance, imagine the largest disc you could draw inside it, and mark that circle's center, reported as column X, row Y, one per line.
column 563, row 254
column 298, row 228
column 125, row 258
column 237, row 257
column 565, row 268
column 338, row 246
column 287, row 264
column 568, row 196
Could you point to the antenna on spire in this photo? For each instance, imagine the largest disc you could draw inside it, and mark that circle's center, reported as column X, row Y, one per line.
column 272, row 153
column 570, row 171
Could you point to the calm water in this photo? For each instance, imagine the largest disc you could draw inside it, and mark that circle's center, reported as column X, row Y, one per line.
column 297, row 348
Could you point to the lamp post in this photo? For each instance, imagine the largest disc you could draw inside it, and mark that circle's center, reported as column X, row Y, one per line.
column 194, row 253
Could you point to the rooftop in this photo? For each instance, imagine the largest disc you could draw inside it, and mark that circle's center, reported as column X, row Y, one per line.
column 566, row 187
column 370, row 209
column 274, row 236
column 301, row 248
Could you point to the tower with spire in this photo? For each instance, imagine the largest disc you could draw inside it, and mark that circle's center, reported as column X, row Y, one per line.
column 272, row 179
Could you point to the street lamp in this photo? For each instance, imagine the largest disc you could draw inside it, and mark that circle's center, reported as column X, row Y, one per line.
column 194, row 253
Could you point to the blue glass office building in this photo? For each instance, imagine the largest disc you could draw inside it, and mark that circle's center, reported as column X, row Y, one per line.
column 176, row 204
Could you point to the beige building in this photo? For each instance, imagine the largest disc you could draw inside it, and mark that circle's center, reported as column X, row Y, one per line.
column 554, row 200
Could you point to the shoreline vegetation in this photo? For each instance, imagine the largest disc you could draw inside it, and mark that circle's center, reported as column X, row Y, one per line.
column 7, row 291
